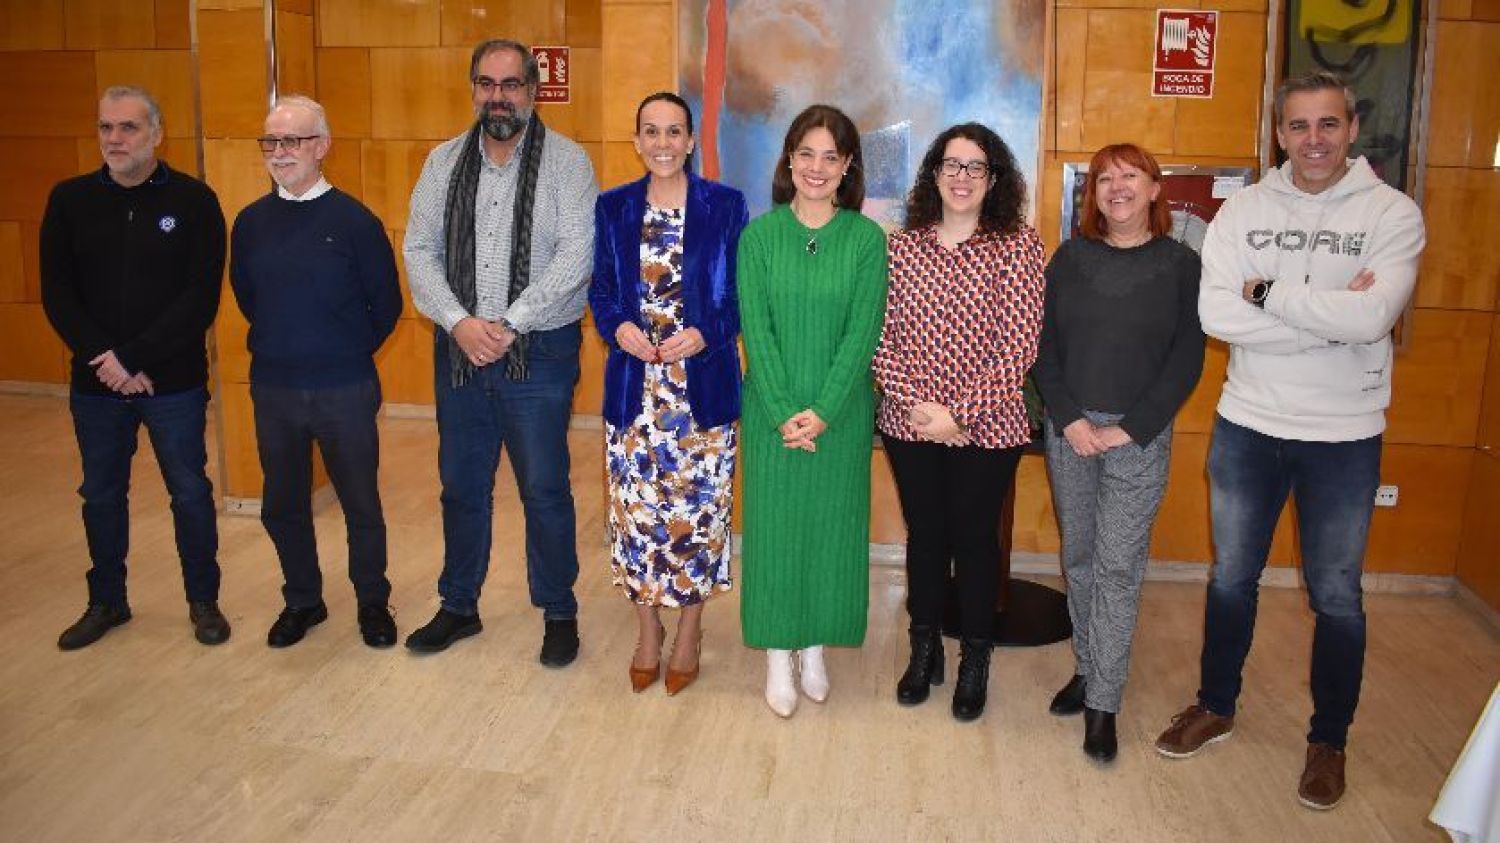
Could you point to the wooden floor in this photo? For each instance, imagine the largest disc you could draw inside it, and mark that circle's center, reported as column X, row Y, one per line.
column 149, row 736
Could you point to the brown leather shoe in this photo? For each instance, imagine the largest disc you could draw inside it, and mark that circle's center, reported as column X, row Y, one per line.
column 642, row 678
column 677, row 680
column 1322, row 783
column 1191, row 730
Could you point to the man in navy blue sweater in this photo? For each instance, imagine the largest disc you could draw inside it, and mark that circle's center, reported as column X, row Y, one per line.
column 315, row 276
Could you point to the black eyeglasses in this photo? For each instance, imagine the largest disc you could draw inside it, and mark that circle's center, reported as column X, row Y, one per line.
column 268, row 143
column 975, row 169
column 487, row 86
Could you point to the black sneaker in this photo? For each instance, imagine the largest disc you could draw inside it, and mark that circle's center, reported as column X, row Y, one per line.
column 445, row 628
column 293, row 624
column 560, row 642
column 209, row 624
column 376, row 625
column 97, row 619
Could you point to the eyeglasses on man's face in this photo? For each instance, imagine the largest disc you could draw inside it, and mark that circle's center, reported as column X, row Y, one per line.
column 486, row 87
column 951, row 167
column 268, row 143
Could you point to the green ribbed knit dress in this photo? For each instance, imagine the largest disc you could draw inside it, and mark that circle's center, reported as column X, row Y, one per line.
column 810, row 324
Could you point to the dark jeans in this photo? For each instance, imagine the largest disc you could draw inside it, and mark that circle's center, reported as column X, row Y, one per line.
column 342, row 421
column 107, row 428
column 529, row 420
column 951, row 499
column 1334, row 483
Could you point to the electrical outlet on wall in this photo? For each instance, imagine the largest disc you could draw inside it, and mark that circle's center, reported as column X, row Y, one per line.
column 1386, row 495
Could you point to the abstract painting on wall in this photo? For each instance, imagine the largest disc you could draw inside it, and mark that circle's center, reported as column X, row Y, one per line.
column 903, row 70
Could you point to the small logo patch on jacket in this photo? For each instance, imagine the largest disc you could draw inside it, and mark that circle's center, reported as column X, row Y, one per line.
column 167, row 223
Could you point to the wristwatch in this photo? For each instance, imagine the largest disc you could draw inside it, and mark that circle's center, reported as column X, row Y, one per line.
column 1259, row 292
column 505, row 323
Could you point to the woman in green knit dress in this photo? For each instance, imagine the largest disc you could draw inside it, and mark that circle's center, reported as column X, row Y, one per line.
column 812, row 275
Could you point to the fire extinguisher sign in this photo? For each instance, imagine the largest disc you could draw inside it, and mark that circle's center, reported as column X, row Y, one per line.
column 555, row 69
column 1186, row 43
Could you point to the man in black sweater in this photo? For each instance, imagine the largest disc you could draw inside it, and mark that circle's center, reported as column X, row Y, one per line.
column 315, row 276
column 132, row 258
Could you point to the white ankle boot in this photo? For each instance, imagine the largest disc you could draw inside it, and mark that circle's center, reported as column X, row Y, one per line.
column 781, row 690
column 814, row 674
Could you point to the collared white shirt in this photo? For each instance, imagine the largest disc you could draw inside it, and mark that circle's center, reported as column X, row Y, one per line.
column 308, row 195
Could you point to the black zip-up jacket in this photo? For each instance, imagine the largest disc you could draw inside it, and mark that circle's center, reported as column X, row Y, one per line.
column 136, row 271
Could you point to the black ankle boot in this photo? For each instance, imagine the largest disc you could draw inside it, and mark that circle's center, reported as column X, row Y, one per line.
column 1099, row 734
column 973, row 679
column 1070, row 699
column 925, row 668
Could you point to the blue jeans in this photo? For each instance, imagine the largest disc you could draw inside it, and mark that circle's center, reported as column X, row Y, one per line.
column 342, row 421
column 529, row 419
column 107, row 428
column 1334, row 483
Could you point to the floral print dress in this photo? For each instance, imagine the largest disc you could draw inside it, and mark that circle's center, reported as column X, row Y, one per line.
column 670, row 481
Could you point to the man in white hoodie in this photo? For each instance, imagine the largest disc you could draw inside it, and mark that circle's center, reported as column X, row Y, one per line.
column 1304, row 275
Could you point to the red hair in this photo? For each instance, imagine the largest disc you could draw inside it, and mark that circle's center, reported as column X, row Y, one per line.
column 1093, row 225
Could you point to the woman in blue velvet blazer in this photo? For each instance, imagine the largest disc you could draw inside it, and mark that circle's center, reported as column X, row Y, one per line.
column 663, row 298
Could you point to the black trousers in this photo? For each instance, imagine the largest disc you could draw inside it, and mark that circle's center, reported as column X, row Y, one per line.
column 952, row 500
column 342, row 421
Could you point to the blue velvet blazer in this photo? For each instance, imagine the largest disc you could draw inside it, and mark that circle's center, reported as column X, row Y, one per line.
column 714, row 216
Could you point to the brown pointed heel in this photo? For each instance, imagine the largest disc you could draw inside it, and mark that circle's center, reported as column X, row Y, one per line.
column 642, row 678
column 677, row 680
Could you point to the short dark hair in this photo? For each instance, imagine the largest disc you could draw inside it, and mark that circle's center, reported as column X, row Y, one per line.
column 1318, row 80
column 668, row 96
column 1004, row 203
column 531, row 72
column 851, row 192
column 1091, row 222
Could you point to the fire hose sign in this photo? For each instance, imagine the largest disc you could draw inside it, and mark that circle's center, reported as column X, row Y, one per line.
column 1186, row 42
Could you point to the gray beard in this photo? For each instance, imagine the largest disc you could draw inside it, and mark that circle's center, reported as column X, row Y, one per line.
column 503, row 127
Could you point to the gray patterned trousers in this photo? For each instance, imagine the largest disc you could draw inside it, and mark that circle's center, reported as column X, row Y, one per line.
column 1105, row 508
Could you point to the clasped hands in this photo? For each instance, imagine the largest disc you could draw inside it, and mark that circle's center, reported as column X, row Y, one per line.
column 1363, row 281
column 680, row 346
column 934, row 422
column 482, row 341
column 111, row 373
column 802, row 430
column 1091, row 440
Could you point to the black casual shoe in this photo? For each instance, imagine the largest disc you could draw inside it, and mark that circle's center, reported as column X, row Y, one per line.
column 925, row 668
column 1070, row 699
column 1099, row 734
column 294, row 623
column 97, row 619
column 560, row 643
column 209, row 624
column 970, row 694
column 376, row 625
column 445, row 628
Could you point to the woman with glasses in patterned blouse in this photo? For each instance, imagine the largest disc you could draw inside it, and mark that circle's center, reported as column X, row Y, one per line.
column 961, row 324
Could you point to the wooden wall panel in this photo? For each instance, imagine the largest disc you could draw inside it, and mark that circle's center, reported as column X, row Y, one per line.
column 1117, row 105
column 467, row 22
column 1459, row 267
column 1435, row 392
column 1479, row 545
column 1455, row 89
column 377, row 23
column 344, row 90
column 1035, row 528
column 1488, row 436
column 1198, row 412
column 1420, row 535
column 232, row 68
column 167, row 74
column 29, row 25
column 56, row 97
column 580, row 118
column 236, row 171
column 174, row 24
column 344, row 166
column 100, row 24
column 588, row 396
column 420, row 93
column 1072, row 40
column 1229, row 122
column 31, row 257
column 295, row 57
column 408, row 309
column 12, row 264
column 391, row 169
column 584, row 26
column 29, row 349
column 242, row 477
column 621, row 165
column 405, row 363
column 46, row 163
column 1183, row 531
column 630, row 72
column 595, row 151
column 231, row 336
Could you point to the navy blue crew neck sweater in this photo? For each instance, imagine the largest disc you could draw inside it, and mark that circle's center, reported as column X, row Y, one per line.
column 317, row 282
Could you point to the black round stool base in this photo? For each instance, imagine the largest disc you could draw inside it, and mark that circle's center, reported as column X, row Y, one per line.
column 1037, row 615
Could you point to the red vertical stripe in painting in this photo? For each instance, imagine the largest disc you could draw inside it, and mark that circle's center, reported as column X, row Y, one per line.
column 714, row 62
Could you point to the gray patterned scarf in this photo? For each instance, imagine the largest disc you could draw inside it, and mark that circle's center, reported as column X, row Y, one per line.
column 458, row 228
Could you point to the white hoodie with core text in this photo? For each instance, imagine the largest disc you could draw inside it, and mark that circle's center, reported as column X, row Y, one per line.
column 1315, row 363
